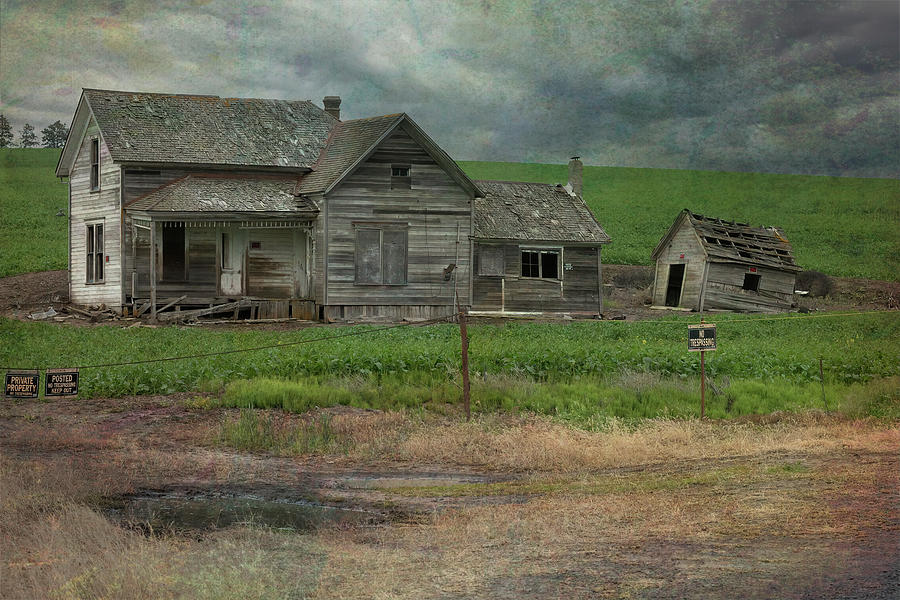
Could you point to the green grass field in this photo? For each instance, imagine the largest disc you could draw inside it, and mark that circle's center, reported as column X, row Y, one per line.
column 843, row 226
column 32, row 237
column 772, row 364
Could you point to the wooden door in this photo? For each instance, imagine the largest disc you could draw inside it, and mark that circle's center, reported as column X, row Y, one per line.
column 271, row 263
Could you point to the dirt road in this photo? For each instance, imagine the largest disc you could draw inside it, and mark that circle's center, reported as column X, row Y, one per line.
column 795, row 509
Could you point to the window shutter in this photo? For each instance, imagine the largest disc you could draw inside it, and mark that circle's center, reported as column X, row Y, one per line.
column 368, row 256
column 395, row 256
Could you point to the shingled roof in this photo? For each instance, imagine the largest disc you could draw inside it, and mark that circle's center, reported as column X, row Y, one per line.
column 223, row 193
column 513, row 210
column 729, row 241
column 349, row 141
column 209, row 130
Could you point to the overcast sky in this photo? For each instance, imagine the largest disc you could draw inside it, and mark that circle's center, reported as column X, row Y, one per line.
column 781, row 86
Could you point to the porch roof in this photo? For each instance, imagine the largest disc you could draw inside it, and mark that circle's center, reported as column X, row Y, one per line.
column 218, row 193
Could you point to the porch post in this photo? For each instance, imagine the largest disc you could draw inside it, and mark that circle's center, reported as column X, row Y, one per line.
column 153, row 271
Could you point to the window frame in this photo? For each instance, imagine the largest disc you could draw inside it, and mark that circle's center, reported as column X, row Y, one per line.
column 95, row 164
column 558, row 251
column 754, row 277
column 94, row 253
column 380, row 228
column 401, row 182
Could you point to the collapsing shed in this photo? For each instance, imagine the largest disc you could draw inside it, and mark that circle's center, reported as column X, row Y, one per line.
column 704, row 263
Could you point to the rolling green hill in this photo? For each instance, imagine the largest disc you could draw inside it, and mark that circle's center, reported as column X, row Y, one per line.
column 842, row 226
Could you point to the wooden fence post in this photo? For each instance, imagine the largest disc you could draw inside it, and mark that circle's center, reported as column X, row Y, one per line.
column 464, row 339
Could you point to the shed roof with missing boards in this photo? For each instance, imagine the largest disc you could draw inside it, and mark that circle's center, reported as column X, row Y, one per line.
column 209, row 130
column 514, row 210
column 217, row 193
column 729, row 241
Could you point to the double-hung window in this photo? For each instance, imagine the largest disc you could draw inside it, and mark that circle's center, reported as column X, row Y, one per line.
column 94, row 253
column 381, row 254
column 95, row 164
column 543, row 264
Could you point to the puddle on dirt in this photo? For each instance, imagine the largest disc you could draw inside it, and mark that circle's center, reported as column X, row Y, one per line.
column 363, row 482
column 168, row 511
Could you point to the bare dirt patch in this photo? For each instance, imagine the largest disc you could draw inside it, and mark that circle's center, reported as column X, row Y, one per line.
column 799, row 508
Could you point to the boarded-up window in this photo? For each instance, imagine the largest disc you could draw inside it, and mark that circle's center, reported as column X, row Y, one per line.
column 394, row 256
column 490, row 260
column 94, row 257
column 381, row 255
column 95, row 164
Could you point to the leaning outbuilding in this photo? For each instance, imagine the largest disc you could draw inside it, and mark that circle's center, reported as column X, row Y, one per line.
column 704, row 263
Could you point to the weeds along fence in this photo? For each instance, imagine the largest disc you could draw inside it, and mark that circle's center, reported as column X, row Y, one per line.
column 854, row 346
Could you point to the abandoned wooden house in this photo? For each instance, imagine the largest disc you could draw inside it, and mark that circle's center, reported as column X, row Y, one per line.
column 276, row 209
column 704, row 263
column 536, row 249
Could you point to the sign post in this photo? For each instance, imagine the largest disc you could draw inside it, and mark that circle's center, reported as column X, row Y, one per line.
column 701, row 338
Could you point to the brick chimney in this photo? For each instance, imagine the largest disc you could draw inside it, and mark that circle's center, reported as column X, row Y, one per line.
column 575, row 179
column 332, row 106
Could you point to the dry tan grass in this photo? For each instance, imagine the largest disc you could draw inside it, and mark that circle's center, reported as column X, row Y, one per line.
column 538, row 444
column 53, row 545
column 785, row 527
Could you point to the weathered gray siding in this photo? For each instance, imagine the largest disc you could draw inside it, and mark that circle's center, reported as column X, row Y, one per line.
column 577, row 291
column 436, row 210
column 136, row 183
column 95, row 207
column 724, row 289
column 683, row 242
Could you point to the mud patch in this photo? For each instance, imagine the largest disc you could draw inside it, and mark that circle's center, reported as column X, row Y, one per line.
column 177, row 511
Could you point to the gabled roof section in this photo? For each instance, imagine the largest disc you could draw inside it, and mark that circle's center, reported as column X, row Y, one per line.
column 729, row 241
column 79, row 126
column 209, row 130
column 352, row 142
column 218, row 193
column 514, row 210
column 348, row 143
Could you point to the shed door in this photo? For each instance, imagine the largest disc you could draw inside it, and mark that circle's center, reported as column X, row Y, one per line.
column 270, row 263
column 673, row 289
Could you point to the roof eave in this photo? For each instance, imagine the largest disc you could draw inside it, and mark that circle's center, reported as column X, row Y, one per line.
column 222, row 215
column 587, row 243
column 215, row 166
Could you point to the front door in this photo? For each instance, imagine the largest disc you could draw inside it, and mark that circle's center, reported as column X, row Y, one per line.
column 276, row 263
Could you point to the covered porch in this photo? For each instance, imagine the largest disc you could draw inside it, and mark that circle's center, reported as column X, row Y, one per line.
column 184, row 256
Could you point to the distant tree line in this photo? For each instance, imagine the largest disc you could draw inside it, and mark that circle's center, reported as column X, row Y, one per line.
column 53, row 136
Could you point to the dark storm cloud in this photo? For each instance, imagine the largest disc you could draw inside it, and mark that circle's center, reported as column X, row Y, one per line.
column 769, row 86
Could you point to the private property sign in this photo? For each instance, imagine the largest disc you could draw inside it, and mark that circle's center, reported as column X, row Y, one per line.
column 701, row 337
column 22, row 384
